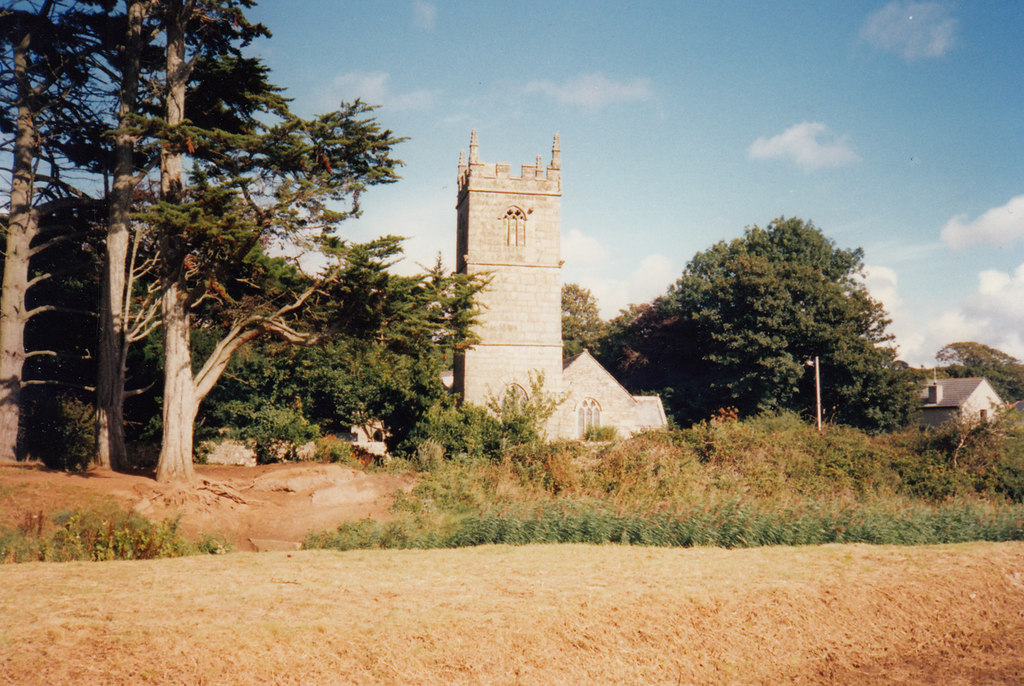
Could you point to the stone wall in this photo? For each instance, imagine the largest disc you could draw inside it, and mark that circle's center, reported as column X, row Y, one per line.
column 583, row 378
column 520, row 325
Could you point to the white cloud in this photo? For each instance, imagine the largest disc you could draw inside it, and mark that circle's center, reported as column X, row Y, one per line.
column 593, row 91
column 614, row 282
column 801, row 144
column 884, row 286
column 375, row 88
column 650, row 279
column 993, row 314
column 424, row 15
column 998, row 226
column 578, row 248
column 615, row 288
column 913, row 30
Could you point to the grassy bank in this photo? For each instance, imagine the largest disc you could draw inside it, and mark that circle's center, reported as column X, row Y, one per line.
column 765, row 481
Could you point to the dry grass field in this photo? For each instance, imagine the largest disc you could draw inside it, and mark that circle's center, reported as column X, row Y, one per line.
column 523, row 615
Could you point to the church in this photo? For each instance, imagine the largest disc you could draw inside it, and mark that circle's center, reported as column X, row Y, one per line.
column 509, row 228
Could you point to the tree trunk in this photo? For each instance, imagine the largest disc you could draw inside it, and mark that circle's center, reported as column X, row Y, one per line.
column 21, row 230
column 110, row 448
column 179, row 406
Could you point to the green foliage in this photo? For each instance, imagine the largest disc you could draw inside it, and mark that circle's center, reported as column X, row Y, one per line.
column 331, row 449
column 461, row 431
column 428, row 455
column 739, row 326
column 582, row 326
column 524, row 416
column 277, row 433
column 965, row 457
column 108, row 533
column 600, row 433
column 969, row 359
column 772, row 479
column 388, row 338
column 61, row 431
column 730, row 524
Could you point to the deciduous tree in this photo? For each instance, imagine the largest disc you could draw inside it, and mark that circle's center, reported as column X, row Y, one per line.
column 741, row 324
column 582, row 326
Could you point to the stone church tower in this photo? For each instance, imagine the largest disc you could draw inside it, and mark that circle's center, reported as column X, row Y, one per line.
column 509, row 227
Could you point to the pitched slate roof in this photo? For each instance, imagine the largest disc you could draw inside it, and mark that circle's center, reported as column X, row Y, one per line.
column 954, row 391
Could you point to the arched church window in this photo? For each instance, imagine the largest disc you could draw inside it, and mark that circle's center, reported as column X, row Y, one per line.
column 513, row 401
column 515, row 227
column 588, row 416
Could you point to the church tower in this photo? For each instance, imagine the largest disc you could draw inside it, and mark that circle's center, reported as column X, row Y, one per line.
column 508, row 228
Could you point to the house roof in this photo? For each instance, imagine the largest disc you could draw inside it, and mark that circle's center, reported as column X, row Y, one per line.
column 955, row 392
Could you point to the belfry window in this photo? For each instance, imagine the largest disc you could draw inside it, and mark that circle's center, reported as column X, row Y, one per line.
column 588, row 416
column 515, row 227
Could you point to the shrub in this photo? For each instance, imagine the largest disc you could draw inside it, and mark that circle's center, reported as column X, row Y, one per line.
column 465, row 430
column 600, row 433
column 332, row 449
column 61, row 432
column 429, row 455
column 107, row 533
column 277, row 433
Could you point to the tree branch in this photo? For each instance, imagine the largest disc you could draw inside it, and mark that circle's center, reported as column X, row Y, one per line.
column 243, row 332
column 55, row 382
column 57, row 308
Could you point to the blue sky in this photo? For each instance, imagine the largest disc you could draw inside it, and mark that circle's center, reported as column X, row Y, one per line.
column 895, row 127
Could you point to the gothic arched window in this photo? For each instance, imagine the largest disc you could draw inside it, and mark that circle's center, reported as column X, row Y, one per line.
column 515, row 227
column 588, row 416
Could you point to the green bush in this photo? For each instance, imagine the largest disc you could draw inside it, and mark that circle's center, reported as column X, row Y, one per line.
column 462, row 431
column 277, row 433
column 332, row 449
column 61, row 432
column 429, row 455
column 108, row 533
column 600, row 433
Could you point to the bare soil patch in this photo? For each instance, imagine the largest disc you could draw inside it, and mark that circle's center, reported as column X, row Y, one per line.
column 570, row 614
column 256, row 508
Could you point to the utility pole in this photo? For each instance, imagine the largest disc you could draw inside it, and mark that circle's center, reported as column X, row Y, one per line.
column 817, row 390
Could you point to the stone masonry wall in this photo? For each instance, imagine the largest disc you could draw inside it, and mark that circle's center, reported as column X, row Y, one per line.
column 520, row 322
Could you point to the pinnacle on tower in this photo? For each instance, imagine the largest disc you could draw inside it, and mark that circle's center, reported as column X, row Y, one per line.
column 556, row 154
column 474, row 157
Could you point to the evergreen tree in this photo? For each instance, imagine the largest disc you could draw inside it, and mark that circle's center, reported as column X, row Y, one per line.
column 51, row 125
column 269, row 176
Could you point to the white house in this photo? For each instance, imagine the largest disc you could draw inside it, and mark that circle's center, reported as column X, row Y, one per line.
column 944, row 400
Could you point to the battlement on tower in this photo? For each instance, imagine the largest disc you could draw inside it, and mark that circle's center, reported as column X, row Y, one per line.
column 533, row 179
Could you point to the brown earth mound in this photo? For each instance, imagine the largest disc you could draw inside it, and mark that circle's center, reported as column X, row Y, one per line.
column 256, row 508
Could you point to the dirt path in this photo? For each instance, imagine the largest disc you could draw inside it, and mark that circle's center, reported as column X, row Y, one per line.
column 258, row 508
